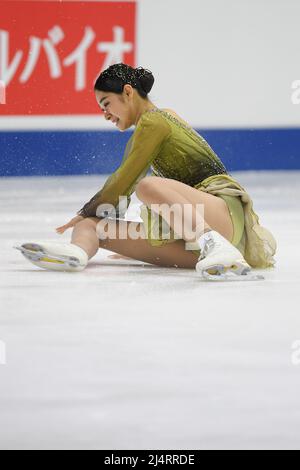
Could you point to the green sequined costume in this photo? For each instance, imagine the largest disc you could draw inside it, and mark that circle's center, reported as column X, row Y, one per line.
column 174, row 150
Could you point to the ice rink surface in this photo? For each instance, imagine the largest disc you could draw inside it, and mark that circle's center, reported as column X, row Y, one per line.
column 127, row 355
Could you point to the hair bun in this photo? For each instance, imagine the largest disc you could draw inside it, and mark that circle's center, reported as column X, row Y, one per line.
column 145, row 77
column 117, row 75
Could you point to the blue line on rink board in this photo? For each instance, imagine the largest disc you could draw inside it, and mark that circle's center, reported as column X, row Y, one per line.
column 39, row 153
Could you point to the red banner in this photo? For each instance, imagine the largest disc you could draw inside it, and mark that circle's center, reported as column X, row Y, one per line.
column 51, row 53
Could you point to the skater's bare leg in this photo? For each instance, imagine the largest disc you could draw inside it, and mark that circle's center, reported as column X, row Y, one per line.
column 156, row 190
column 84, row 235
column 149, row 191
column 171, row 255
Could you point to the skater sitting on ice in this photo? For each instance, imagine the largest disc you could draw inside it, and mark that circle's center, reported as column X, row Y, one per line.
column 223, row 241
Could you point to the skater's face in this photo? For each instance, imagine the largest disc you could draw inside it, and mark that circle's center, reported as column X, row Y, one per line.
column 121, row 109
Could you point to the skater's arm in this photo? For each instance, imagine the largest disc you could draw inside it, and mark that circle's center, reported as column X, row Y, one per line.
column 147, row 140
column 70, row 224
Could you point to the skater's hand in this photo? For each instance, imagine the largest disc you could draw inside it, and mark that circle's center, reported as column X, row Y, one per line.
column 70, row 224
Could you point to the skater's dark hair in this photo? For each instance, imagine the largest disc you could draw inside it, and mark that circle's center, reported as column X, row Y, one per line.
column 117, row 76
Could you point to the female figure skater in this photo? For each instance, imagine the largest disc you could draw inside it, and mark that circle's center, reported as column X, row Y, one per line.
column 185, row 171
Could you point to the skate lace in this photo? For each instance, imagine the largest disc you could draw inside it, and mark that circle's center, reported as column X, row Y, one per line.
column 208, row 247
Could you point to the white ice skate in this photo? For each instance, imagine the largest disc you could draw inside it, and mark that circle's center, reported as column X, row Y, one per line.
column 55, row 256
column 221, row 261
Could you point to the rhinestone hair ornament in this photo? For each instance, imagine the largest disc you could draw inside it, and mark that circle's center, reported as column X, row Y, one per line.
column 127, row 74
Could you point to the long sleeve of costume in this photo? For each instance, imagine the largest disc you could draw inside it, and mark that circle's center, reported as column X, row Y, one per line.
column 150, row 134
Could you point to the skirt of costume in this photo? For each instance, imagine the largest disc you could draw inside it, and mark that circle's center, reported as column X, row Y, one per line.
column 256, row 243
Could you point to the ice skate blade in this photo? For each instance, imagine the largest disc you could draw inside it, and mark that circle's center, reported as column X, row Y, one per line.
column 230, row 277
column 221, row 273
column 36, row 255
